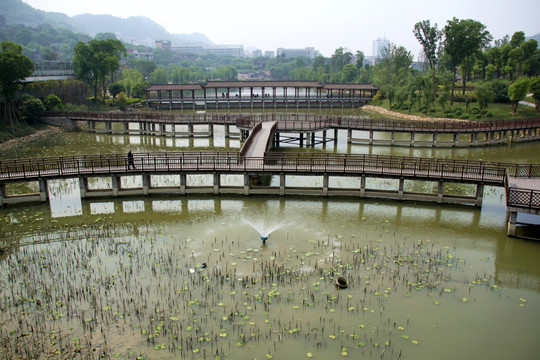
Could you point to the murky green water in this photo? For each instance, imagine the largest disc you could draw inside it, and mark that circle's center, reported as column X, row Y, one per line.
column 124, row 278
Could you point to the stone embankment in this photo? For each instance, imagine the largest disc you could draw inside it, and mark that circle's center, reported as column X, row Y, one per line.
column 397, row 115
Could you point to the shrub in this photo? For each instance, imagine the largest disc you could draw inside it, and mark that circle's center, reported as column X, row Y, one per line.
column 475, row 111
column 489, row 114
column 464, row 116
column 30, row 107
column 477, row 116
column 53, row 102
column 459, row 112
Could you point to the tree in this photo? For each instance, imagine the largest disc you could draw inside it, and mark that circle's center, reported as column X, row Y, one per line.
column 14, row 67
column 359, row 60
column 462, row 39
column 517, row 92
column 429, row 37
column 484, row 94
column 53, row 102
column 30, row 107
column 97, row 60
column 159, row 76
column 534, row 87
column 130, row 79
column 116, row 88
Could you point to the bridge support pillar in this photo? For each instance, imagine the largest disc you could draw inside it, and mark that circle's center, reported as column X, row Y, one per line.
column 401, row 186
column 479, row 195
column 227, row 130
column 412, row 139
column 370, row 137
column 2, row 194
column 83, row 186
column 145, row 184
column 190, row 130
column 440, row 192
column 183, row 184
column 246, row 184
column 217, row 183
column 363, row 186
column 43, row 190
column 392, row 137
column 512, row 223
column 456, row 140
column 108, row 126
column 211, row 129
column 349, row 136
column 276, row 139
column 325, row 185
column 115, row 183
column 282, row 184
column 475, row 139
column 162, row 129
column 125, row 127
column 435, row 139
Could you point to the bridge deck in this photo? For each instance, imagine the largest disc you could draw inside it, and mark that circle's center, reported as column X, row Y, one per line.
column 258, row 146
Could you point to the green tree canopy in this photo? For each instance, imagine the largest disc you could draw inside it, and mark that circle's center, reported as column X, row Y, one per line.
column 462, row 39
column 14, row 67
column 97, row 60
column 517, row 92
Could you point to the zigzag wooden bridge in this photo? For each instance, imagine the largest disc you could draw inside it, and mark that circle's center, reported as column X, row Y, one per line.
column 401, row 132
column 254, row 169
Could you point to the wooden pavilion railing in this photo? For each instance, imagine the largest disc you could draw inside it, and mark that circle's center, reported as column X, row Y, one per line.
column 274, row 163
column 307, row 122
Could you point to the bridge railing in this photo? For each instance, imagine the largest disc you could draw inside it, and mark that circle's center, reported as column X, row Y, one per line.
column 306, row 122
column 524, row 198
column 347, row 164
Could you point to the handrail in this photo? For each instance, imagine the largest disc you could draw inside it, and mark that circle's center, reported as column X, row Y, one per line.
column 157, row 162
column 307, row 122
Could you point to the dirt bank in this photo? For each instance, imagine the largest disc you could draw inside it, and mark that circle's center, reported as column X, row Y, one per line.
column 398, row 115
column 22, row 141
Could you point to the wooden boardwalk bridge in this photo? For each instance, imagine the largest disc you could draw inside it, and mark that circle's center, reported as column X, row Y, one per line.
column 257, row 165
column 401, row 132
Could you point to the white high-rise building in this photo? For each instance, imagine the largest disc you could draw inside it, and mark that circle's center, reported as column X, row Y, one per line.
column 379, row 45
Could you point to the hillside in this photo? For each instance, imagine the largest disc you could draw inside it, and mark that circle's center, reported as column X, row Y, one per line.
column 139, row 29
column 535, row 37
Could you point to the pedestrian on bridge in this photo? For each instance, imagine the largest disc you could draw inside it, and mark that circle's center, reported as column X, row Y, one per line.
column 131, row 163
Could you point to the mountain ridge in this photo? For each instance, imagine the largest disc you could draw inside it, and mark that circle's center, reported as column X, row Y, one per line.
column 134, row 29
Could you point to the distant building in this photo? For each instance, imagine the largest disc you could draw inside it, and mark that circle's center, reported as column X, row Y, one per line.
column 200, row 49
column 259, row 75
column 134, row 54
column 379, row 45
column 269, row 53
column 163, row 44
column 308, row 52
column 256, row 53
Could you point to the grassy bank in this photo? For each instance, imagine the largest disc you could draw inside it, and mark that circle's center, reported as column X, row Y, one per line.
column 459, row 111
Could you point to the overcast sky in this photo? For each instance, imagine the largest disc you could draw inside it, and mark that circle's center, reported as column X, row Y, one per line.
column 324, row 25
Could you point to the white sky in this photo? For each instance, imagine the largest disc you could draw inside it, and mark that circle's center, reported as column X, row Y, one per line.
column 325, row 25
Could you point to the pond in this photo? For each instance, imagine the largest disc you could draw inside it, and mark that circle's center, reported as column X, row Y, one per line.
column 189, row 277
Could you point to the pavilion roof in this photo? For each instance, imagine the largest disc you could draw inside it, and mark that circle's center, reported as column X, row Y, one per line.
column 173, row 87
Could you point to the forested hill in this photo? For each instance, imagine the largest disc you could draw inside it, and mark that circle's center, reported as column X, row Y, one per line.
column 18, row 12
column 137, row 29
